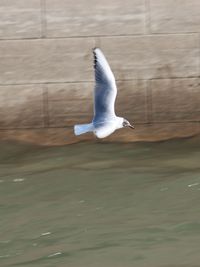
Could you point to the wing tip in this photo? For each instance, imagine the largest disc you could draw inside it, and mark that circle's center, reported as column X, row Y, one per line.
column 95, row 56
column 96, row 52
column 95, row 48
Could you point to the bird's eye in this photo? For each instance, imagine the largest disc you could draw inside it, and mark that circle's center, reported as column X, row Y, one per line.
column 124, row 124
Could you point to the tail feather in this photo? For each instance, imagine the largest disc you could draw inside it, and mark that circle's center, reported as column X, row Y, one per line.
column 83, row 128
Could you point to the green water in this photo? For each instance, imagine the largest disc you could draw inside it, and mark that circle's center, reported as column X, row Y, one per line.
column 100, row 205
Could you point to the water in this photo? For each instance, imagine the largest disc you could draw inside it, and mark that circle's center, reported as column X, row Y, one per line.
column 98, row 204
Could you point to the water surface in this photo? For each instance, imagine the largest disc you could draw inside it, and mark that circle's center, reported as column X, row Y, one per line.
column 100, row 205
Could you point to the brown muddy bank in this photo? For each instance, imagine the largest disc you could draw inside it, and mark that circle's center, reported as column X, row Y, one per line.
column 63, row 136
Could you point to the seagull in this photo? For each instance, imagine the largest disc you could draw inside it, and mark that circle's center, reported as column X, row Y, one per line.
column 105, row 121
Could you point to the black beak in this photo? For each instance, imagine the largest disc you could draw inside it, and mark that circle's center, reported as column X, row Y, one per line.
column 131, row 126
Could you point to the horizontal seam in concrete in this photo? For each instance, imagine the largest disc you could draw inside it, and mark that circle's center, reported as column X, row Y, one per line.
column 173, row 33
column 101, row 36
column 174, row 121
column 39, row 83
column 77, row 82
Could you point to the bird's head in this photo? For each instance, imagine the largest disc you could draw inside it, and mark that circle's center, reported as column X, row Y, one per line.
column 126, row 123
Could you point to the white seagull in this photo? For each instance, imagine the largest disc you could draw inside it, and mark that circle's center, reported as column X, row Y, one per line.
column 104, row 122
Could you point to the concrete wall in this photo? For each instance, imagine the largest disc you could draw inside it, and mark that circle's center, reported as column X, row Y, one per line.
column 46, row 68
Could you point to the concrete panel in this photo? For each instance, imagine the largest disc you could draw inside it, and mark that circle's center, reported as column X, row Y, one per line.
column 20, row 19
column 62, row 60
column 38, row 61
column 74, row 91
column 21, row 106
column 73, row 103
column 173, row 16
column 175, row 100
column 131, row 100
column 70, row 103
column 147, row 57
column 93, row 17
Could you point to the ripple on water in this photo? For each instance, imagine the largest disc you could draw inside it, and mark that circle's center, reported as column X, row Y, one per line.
column 18, row 180
column 54, row 254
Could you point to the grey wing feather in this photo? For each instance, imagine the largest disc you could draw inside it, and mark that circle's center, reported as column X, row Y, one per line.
column 105, row 88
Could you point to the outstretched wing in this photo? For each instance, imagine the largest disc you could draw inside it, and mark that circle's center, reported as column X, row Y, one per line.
column 105, row 90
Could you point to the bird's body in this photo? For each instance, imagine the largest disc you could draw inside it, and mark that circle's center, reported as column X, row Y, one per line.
column 104, row 122
column 105, row 128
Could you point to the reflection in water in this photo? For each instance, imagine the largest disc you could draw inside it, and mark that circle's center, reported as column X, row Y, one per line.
column 98, row 204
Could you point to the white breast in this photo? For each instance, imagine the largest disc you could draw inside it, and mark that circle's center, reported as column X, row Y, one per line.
column 108, row 128
column 104, row 131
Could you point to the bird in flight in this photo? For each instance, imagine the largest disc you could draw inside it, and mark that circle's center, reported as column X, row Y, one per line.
column 105, row 121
